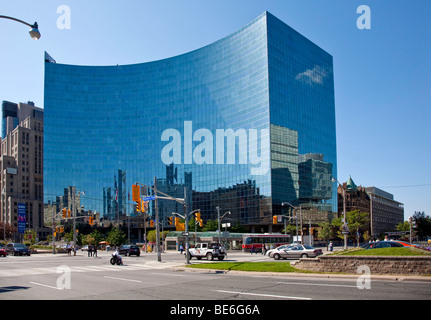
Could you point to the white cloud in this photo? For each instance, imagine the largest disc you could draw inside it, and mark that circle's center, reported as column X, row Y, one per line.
column 313, row 76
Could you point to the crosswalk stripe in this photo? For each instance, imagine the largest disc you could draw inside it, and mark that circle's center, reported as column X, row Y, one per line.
column 36, row 271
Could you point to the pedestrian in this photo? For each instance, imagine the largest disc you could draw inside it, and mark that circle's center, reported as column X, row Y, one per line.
column 252, row 249
column 69, row 249
column 181, row 248
column 264, row 249
column 331, row 246
column 95, row 250
column 89, row 250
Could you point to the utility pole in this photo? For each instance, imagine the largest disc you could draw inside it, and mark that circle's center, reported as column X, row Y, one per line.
column 218, row 222
column 155, row 197
column 159, row 256
column 186, row 219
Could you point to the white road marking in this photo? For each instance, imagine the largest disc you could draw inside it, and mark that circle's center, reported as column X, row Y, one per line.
column 122, row 279
column 264, row 295
column 318, row 284
column 167, row 274
column 45, row 285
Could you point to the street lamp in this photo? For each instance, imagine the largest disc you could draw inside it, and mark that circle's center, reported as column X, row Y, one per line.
column 219, row 219
column 185, row 217
column 296, row 218
column 34, row 31
column 344, row 231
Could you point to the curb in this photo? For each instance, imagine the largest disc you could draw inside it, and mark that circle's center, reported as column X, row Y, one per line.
column 393, row 277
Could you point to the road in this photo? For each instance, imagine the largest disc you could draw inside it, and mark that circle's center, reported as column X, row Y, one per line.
column 62, row 277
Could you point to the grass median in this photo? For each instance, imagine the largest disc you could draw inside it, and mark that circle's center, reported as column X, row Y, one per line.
column 394, row 251
column 249, row 266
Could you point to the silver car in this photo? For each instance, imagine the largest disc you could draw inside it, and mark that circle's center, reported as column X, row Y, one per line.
column 298, row 251
column 279, row 248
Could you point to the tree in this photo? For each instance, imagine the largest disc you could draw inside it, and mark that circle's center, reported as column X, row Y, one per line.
column 152, row 235
column 210, row 225
column 9, row 230
column 422, row 224
column 30, row 236
column 358, row 223
column 290, row 229
column 403, row 226
column 89, row 239
column 326, row 232
column 116, row 237
column 238, row 229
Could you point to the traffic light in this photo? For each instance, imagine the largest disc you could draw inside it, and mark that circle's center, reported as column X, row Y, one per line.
column 151, row 223
column 136, row 193
column 198, row 219
column 91, row 221
column 139, row 206
column 274, row 219
column 63, row 213
column 177, row 221
column 170, row 220
column 68, row 213
column 143, row 206
column 61, row 229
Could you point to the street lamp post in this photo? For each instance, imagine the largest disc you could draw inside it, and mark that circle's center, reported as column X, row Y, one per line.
column 186, row 218
column 167, row 197
column 219, row 220
column 296, row 218
column 34, row 31
column 344, row 231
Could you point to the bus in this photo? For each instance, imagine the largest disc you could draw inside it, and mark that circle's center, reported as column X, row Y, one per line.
column 258, row 240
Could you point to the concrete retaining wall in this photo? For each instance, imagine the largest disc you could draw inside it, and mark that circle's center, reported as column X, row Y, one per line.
column 416, row 265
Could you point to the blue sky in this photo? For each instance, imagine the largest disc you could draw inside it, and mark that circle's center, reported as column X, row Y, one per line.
column 382, row 75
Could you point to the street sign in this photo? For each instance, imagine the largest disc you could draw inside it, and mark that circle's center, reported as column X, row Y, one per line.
column 185, row 234
column 149, row 198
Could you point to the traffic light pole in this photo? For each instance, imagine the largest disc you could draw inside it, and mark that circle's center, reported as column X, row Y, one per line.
column 159, row 256
column 167, row 197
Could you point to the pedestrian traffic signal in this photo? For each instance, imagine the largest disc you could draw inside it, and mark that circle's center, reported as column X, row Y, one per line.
column 274, row 219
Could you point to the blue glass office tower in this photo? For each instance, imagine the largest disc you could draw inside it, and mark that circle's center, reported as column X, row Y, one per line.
column 245, row 123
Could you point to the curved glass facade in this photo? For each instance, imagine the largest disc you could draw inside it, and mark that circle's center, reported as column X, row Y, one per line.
column 238, row 124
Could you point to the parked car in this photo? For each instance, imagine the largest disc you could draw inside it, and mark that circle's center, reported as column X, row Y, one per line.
column 298, row 251
column 3, row 251
column 17, row 249
column 406, row 244
column 129, row 250
column 282, row 247
column 84, row 248
column 382, row 244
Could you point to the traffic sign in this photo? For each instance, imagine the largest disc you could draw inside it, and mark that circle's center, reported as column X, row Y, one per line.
column 149, row 198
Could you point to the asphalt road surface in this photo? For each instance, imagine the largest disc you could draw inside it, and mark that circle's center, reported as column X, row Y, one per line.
column 62, row 277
